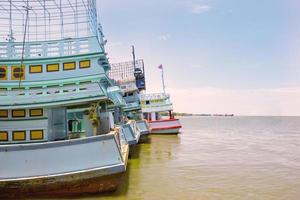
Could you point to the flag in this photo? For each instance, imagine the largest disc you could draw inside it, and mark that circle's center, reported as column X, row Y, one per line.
column 160, row 67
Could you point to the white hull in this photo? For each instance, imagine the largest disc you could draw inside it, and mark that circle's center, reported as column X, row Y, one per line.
column 171, row 126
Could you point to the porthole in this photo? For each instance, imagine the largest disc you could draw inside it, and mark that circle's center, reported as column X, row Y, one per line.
column 18, row 73
column 3, row 73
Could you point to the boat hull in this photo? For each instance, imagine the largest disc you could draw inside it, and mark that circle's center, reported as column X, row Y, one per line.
column 61, row 186
column 63, row 168
column 143, row 126
column 170, row 126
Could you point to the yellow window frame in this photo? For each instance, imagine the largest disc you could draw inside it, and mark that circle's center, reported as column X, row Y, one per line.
column 35, row 69
column 69, row 66
column 20, row 73
column 36, row 134
column 5, row 77
column 3, row 113
column 53, row 67
column 36, row 112
column 84, row 64
column 18, row 113
column 19, row 135
column 3, row 136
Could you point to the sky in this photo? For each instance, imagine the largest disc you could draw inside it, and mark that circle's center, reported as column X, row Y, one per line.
column 219, row 56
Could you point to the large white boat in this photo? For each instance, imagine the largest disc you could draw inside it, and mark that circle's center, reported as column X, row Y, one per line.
column 57, row 136
column 157, row 109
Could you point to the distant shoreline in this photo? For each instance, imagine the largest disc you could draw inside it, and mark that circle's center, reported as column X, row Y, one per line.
column 202, row 115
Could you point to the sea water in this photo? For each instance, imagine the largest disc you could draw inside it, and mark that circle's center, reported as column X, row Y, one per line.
column 234, row 158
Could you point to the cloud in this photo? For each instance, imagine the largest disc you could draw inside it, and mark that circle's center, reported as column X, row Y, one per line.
column 198, row 66
column 114, row 44
column 164, row 37
column 263, row 101
column 200, row 8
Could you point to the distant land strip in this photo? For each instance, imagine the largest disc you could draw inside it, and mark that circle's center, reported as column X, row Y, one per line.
column 201, row 115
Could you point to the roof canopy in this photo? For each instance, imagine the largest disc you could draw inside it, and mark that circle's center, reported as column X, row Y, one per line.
column 47, row 19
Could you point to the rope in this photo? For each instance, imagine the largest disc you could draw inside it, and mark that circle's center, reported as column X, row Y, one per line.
column 22, row 69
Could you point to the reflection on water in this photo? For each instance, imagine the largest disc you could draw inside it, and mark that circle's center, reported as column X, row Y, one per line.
column 218, row 158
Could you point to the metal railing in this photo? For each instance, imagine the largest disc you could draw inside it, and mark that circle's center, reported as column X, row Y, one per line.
column 57, row 48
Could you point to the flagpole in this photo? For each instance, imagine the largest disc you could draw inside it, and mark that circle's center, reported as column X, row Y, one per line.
column 163, row 80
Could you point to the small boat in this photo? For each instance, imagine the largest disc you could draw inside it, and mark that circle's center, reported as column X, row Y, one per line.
column 130, row 76
column 157, row 109
column 157, row 105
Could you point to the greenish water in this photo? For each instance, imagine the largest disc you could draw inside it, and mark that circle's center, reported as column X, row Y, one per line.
column 218, row 158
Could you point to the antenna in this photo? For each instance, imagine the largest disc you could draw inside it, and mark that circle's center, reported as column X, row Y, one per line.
column 21, row 70
column 163, row 79
column 133, row 54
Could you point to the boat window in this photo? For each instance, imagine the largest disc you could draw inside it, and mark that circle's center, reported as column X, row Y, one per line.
column 3, row 136
column 85, row 82
column 36, row 88
column 34, row 69
column 19, row 135
column 3, row 73
column 18, row 89
column 37, row 135
column 18, row 113
column 147, row 102
column 52, row 67
column 53, row 86
column 85, row 64
column 18, row 73
column 69, row 66
column 36, row 112
column 3, row 113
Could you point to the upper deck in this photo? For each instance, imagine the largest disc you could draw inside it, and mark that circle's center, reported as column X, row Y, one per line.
column 41, row 50
column 156, row 102
column 128, row 74
column 51, row 49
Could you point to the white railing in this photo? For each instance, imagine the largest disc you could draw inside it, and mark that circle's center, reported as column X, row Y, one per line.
column 154, row 96
column 50, row 91
column 55, row 48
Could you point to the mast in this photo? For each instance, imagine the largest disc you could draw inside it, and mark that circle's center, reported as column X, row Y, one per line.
column 162, row 78
column 133, row 54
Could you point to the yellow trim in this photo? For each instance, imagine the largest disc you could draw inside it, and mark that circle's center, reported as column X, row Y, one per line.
column 36, row 112
column 3, row 113
column 5, row 77
column 19, row 135
column 18, row 113
column 34, row 69
column 3, row 136
column 37, row 135
column 85, row 64
column 69, row 66
column 13, row 74
column 52, row 67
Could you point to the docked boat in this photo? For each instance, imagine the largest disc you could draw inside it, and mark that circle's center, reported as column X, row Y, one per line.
column 130, row 76
column 158, row 111
column 57, row 135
